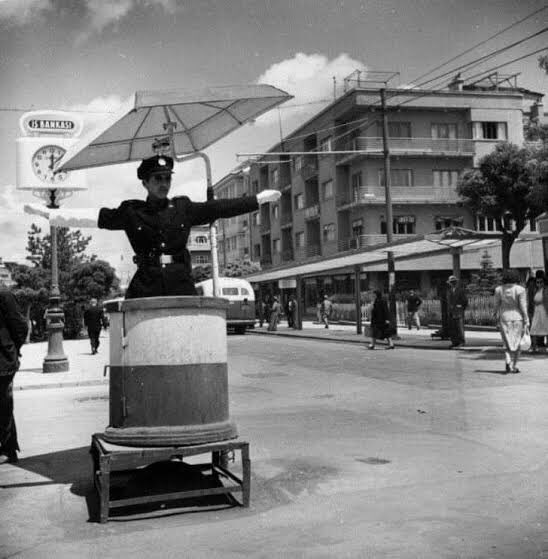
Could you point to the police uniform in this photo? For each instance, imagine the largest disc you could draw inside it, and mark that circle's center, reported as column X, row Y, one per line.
column 158, row 231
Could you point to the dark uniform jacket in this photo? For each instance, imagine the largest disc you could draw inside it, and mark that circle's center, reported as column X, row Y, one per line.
column 13, row 332
column 156, row 227
column 457, row 301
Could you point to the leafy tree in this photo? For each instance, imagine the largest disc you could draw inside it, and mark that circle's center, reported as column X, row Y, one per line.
column 538, row 169
column 484, row 282
column 502, row 188
column 535, row 131
column 71, row 247
column 235, row 269
column 543, row 62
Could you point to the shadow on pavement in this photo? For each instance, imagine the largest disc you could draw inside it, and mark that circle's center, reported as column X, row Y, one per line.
column 74, row 467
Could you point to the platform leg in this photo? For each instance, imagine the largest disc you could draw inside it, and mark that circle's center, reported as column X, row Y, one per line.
column 104, row 485
column 246, row 476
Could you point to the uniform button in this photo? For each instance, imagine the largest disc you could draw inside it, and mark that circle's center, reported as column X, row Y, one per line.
column 139, row 228
column 163, row 245
column 163, row 265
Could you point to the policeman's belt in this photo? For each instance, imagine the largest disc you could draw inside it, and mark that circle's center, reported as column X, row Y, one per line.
column 156, row 260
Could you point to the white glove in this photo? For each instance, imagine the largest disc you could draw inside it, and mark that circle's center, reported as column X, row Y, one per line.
column 268, row 196
column 65, row 217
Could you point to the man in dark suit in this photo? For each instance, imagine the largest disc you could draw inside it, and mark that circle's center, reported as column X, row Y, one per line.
column 13, row 332
column 93, row 319
column 456, row 305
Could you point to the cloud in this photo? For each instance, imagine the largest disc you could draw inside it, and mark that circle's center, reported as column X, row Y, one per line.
column 21, row 12
column 309, row 78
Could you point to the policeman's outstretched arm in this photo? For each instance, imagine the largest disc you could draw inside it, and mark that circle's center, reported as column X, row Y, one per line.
column 65, row 217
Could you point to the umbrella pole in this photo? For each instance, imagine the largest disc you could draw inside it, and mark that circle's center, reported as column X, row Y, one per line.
column 212, row 227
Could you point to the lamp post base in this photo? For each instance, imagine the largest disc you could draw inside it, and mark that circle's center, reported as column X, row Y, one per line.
column 55, row 366
column 55, row 361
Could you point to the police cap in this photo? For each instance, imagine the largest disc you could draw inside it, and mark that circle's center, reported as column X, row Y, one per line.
column 152, row 165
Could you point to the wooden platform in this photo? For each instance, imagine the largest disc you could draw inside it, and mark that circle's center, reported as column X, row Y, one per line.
column 110, row 459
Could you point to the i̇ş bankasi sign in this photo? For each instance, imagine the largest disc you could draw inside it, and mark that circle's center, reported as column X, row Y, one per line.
column 63, row 123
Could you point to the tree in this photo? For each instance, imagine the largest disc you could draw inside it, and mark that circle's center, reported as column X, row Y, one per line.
column 484, row 282
column 502, row 188
column 237, row 269
column 543, row 62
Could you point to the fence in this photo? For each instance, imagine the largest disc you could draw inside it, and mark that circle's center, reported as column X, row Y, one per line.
column 480, row 311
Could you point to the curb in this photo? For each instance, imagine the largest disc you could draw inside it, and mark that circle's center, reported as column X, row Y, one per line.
column 67, row 384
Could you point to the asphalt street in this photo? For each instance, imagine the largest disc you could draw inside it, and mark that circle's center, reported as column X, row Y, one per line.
column 409, row 453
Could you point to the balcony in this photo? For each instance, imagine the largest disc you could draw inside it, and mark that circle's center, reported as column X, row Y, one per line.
column 370, row 145
column 287, row 255
column 266, row 261
column 286, row 219
column 309, row 168
column 399, row 195
column 312, row 212
column 265, row 227
column 367, row 241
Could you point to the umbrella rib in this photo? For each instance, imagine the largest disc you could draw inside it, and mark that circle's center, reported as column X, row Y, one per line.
column 226, row 109
column 185, row 128
column 137, row 132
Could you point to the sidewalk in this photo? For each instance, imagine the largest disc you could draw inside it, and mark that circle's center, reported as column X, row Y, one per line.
column 85, row 369
column 421, row 339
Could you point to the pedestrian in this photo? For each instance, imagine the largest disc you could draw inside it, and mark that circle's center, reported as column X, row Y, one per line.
column 325, row 311
column 13, row 333
column 261, row 311
column 157, row 228
column 289, row 312
column 512, row 317
column 293, row 312
column 457, row 301
column 274, row 315
column 93, row 320
column 539, row 322
column 381, row 327
column 413, row 304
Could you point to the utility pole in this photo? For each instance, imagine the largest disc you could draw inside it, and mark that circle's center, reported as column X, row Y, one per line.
column 389, row 217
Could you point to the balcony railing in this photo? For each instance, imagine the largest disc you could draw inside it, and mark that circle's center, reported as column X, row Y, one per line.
column 287, row 255
column 286, row 219
column 308, row 251
column 265, row 227
column 399, row 194
column 411, row 146
column 266, row 260
column 312, row 212
column 309, row 168
column 363, row 241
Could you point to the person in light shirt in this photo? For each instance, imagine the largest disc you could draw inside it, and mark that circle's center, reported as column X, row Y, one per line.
column 158, row 228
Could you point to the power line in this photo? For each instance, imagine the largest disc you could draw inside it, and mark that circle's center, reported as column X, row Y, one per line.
column 480, row 43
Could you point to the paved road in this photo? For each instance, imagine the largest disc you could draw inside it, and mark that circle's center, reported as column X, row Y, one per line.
column 355, row 453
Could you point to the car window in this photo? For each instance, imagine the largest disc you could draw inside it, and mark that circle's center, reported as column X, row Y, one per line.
column 230, row 291
column 244, row 291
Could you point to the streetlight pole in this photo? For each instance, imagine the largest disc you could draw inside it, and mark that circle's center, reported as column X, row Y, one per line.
column 389, row 217
column 55, row 361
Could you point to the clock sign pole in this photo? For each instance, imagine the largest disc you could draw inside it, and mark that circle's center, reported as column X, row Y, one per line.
column 46, row 137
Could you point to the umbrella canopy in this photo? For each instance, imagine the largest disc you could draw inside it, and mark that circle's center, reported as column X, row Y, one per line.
column 196, row 119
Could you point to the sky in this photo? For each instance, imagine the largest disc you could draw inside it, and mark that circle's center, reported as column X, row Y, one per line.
column 90, row 55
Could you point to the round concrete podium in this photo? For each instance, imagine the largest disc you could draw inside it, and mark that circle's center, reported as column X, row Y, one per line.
column 168, row 372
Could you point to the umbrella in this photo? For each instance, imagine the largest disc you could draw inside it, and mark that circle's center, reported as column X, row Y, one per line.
column 189, row 120
column 182, row 122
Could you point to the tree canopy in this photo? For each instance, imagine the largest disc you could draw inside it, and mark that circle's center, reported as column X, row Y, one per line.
column 507, row 187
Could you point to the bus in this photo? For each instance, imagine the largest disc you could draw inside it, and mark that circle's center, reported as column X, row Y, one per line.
column 240, row 314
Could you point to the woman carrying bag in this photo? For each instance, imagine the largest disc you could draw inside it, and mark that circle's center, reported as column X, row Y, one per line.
column 512, row 317
column 13, row 332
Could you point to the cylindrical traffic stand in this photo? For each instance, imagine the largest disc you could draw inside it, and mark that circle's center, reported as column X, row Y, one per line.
column 168, row 372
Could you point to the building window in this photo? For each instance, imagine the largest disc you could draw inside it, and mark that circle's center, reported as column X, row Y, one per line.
column 246, row 252
column 329, row 232
column 356, row 185
column 299, row 201
column 444, row 131
column 395, row 129
column 275, row 176
column 490, row 131
column 442, row 222
column 357, row 228
column 299, row 239
column 445, row 177
column 256, row 218
column 257, row 251
column 401, row 225
column 325, row 144
column 398, row 177
column 201, row 240
column 298, row 163
column 532, row 224
column 201, row 258
column 275, row 211
column 486, row 224
column 327, row 190
column 277, row 245
column 254, row 187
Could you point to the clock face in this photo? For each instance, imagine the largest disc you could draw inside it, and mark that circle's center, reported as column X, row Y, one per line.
column 43, row 162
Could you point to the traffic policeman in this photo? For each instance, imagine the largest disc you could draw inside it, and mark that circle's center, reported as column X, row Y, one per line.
column 157, row 228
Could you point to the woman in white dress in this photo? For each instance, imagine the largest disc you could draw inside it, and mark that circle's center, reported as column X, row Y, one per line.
column 539, row 322
column 511, row 312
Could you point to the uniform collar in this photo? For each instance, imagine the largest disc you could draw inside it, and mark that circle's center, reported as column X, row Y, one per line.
column 157, row 204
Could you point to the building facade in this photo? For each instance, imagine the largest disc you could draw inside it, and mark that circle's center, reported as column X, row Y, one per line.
column 330, row 172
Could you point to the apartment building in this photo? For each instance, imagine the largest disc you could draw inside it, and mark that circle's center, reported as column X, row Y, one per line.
column 330, row 172
column 199, row 246
column 233, row 234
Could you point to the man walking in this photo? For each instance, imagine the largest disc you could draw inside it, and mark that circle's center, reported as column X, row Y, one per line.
column 93, row 320
column 325, row 310
column 456, row 305
column 413, row 304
